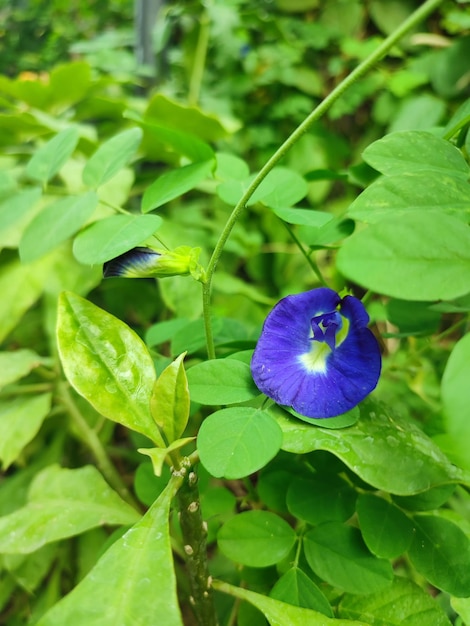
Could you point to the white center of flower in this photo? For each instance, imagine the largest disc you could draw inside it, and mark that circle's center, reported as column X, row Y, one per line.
column 315, row 360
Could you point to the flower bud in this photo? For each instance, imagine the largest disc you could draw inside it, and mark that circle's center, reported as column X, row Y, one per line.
column 146, row 262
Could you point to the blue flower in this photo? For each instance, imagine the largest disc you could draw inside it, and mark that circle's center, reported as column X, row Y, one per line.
column 316, row 354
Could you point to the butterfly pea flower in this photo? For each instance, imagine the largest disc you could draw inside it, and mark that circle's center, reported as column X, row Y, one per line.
column 316, row 354
column 143, row 262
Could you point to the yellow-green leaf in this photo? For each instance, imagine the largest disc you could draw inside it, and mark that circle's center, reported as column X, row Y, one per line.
column 107, row 363
column 169, row 403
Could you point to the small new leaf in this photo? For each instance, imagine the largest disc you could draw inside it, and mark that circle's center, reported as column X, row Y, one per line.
column 158, row 455
column 169, row 403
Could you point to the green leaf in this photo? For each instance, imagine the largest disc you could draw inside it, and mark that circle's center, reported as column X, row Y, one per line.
column 462, row 607
column 147, row 485
column 295, row 587
column 16, row 206
column 413, row 317
column 372, row 446
column 418, row 112
column 184, row 143
column 17, row 364
column 338, row 555
column 340, row 421
column 322, row 174
column 256, row 538
column 111, row 156
column 69, row 82
column 387, row 531
column 449, row 68
column 158, row 455
column 186, row 118
column 183, row 297
column 455, row 392
column 175, row 183
column 49, row 158
column 191, row 336
column 54, row 224
column 427, row 500
column 441, row 552
column 20, row 420
column 164, row 331
column 68, row 273
column 392, row 257
column 229, row 284
column 329, row 499
column 406, row 152
column 236, row 442
column 29, row 570
column 169, row 403
column 388, row 18
column 158, row 138
column 221, row 381
column 397, row 196
column 230, row 166
column 272, row 486
column 244, row 356
column 304, row 217
column 14, row 487
column 20, row 286
column 334, row 230
column 280, row 613
column 137, row 570
column 281, row 188
column 292, row 6
column 8, row 185
column 107, row 363
column 401, row 84
column 231, row 190
column 62, row 503
column 458, row 305
column 401, row 603
column 218, row 501
column 112, row 236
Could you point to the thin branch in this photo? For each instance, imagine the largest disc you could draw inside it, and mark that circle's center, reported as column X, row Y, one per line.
column 363, row 68
column 92, row 441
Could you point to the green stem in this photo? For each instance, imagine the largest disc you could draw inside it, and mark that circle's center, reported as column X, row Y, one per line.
column 199, row 60
column 94, row 444
column 206, row 307
column 307, row 256
column 195, row 547
column 298, row 550
column 25, row 389
column 417, row 16
column 232, row 620
column 116, row 207
column 445, row 333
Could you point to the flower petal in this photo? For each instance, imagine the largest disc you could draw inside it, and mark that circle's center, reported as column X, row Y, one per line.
column 315, row 378
column 136, row 263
